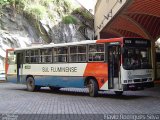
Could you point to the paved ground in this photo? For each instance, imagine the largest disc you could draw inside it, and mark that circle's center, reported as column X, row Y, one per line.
column 15, row 99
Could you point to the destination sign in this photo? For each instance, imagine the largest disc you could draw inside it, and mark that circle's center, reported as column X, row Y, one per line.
column 114, row 43
column 137, row 42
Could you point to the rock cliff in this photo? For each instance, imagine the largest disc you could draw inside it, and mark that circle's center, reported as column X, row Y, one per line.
column 60, row 23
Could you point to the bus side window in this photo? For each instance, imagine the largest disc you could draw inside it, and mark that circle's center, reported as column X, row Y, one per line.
column 61, row 54
column 34, row 56
column 46, row 55
column 96, row 52
column 55, row 54
column 11, row 57
column 78, row 53
column 27, row 56
column 73, row 54
column 37, row 56
column 82, row 52
column 42, row 55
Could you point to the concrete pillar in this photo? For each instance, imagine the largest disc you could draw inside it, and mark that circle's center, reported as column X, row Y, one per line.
column 153, row 58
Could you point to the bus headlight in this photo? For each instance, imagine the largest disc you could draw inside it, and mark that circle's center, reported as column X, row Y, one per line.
column 129, row 81
column 125, row 81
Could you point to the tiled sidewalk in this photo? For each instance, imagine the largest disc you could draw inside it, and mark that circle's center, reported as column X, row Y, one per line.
column 15, row 99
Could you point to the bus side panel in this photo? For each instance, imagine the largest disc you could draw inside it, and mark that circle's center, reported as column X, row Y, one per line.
column 100, row 72
column 23, row 80
column 62, row 75
column 12, row 73
column 67, row 75
column 59, row 81
column 12, row 78
column 39, row 79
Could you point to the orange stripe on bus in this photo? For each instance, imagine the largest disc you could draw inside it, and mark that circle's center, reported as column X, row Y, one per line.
column 6, row 60
column 110, row 40
column 99, row 71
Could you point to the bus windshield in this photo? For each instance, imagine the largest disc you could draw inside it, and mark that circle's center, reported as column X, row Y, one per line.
column 137, row 58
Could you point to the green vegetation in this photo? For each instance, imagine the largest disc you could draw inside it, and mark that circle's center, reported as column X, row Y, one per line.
column 69, row 20
column 46, row 2
column 84, row 13
column 3, row 2
column 38, row 9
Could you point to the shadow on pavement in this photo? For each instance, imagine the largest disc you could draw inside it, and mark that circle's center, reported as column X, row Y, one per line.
column 112, row 95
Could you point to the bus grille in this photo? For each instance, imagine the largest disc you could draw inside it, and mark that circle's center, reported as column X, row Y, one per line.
column 137, row 80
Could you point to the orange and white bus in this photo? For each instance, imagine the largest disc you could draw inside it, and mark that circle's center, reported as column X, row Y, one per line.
column 116, row 64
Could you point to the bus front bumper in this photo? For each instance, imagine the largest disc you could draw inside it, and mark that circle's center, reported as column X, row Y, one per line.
column 137, row 86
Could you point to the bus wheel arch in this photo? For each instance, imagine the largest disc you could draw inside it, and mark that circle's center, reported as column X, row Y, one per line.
column 92, row 86
column 30, row 82
column 29, row 76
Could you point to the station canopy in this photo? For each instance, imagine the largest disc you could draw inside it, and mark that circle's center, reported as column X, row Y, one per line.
column 138, row 18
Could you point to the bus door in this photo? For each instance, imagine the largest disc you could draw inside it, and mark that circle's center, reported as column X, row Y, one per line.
column 114, row 66
column 19, row 67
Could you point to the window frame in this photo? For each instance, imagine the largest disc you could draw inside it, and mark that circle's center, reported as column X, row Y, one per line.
column 44, row 56
column 66, row 56
column 103, row 52
column 34, row 56
column 57, row 54
column 12, row 56
column 77, row 53
column 26, row 56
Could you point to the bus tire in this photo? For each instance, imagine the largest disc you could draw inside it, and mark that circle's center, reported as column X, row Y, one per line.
column 118, row 93
column 31, row 85
column 54, row 88
column 93, row 88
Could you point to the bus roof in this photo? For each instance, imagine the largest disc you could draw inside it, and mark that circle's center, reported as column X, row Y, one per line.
column 57, row 45
column 70, row 44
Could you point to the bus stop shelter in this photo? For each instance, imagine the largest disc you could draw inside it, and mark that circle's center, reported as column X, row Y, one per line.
column 138, row 18
column 128, row 18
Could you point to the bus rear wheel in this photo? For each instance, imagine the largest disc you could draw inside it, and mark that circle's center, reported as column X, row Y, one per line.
column 31, row 85
column 93, row 88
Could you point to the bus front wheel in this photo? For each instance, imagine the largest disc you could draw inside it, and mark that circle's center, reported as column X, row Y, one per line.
column 93, row 88
column 31, row 85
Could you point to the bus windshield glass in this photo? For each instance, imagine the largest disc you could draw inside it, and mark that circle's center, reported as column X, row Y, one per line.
column 137, row 58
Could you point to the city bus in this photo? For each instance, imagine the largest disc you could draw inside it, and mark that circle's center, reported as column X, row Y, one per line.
column 115, row 64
